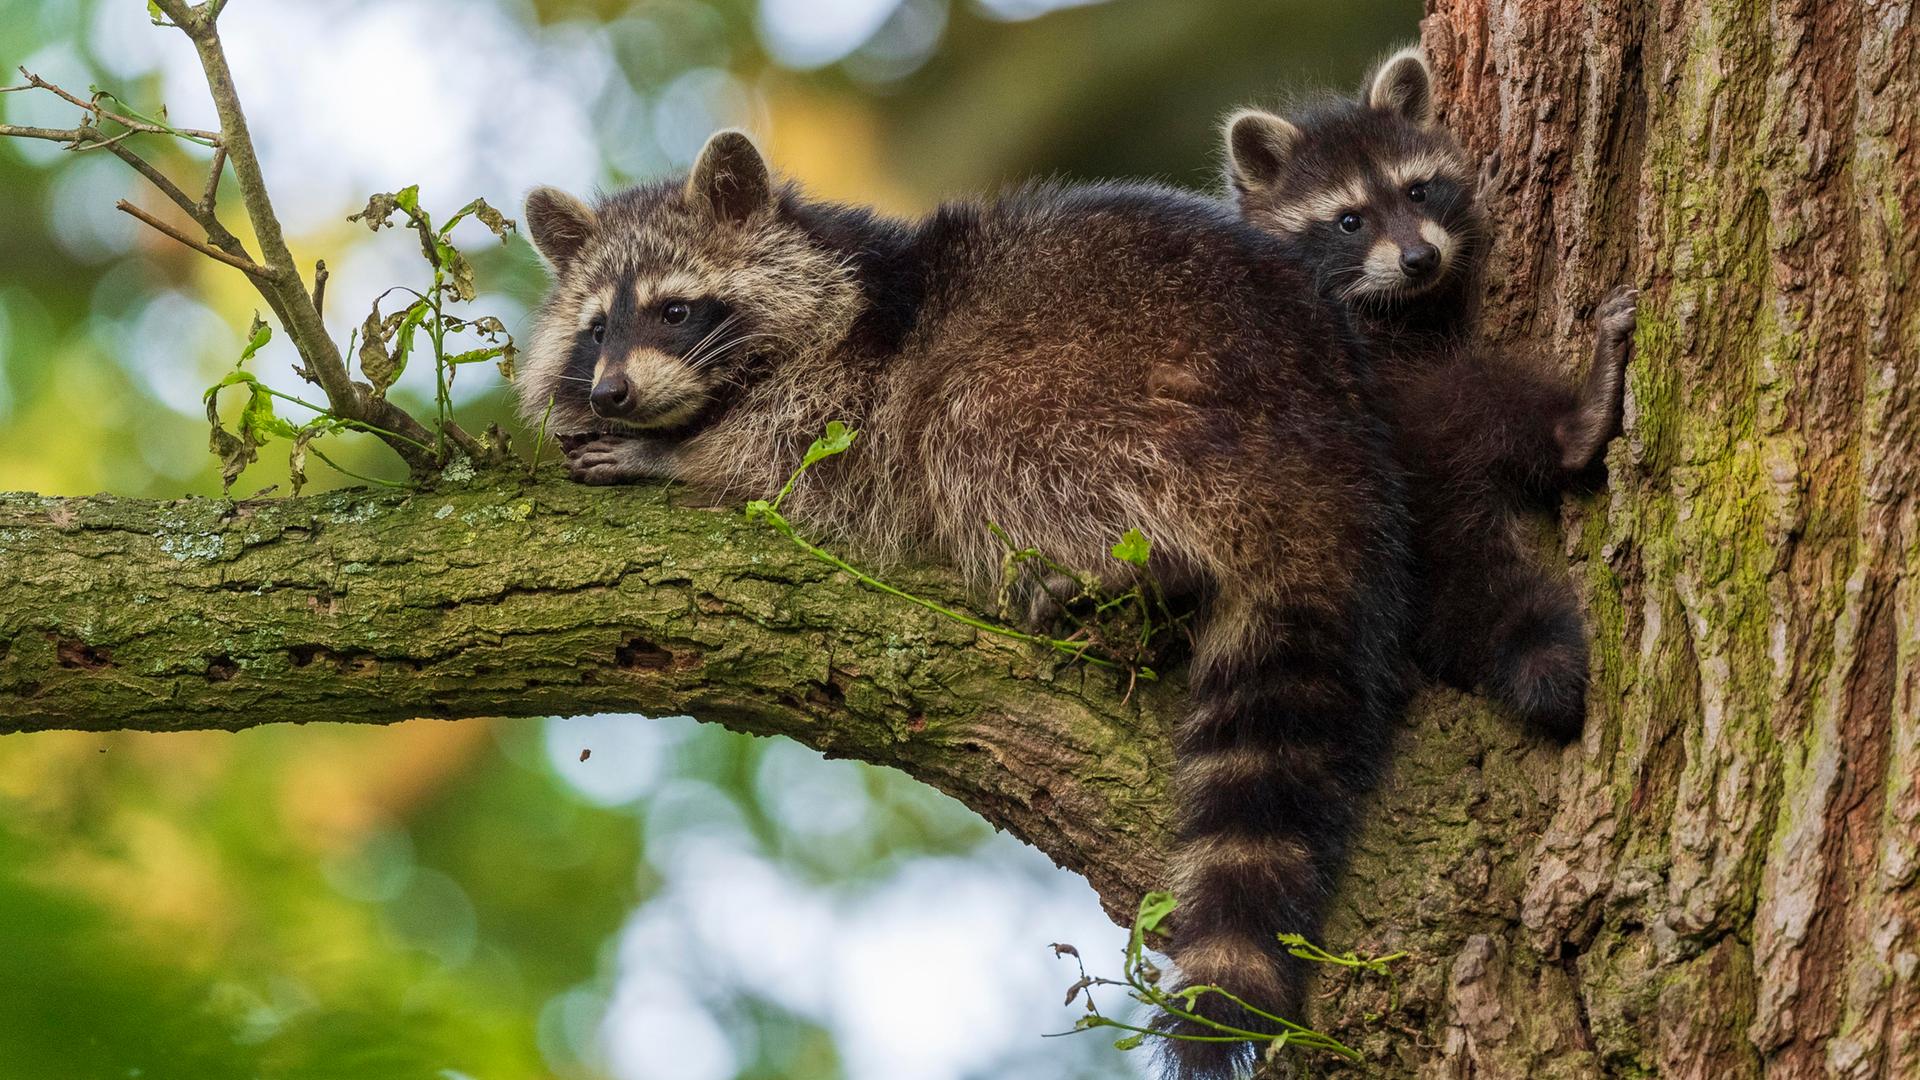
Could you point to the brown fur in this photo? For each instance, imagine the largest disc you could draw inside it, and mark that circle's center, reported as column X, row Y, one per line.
column 1066, row 363
column 1483, row 435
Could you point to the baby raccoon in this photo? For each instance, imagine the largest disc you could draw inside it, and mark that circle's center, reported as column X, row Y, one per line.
column 1383, row 206
column 1066, row 362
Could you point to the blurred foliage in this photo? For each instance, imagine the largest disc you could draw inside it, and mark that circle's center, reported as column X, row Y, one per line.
column 436, row 900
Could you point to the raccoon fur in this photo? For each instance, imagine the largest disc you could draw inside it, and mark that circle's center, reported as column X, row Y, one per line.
column 1383, row 206
column 1067, row 362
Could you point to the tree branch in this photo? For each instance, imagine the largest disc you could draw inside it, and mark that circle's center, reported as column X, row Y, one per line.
column 246, row 266
column 551, row 598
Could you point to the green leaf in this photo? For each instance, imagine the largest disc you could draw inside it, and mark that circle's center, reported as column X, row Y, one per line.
column 1154, row 908
column 474, row 356
column 838, row 437
column 408, row 198
column 409, row 321
column 1131, row 1042
column 257, row 337
column 258, row 420
column 233, row 378
column 1134, row 547
column 758, row 508
column 158, row 17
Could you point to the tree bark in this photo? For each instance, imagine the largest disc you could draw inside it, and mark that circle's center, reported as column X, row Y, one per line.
column 1722, row 879
column 552, row 598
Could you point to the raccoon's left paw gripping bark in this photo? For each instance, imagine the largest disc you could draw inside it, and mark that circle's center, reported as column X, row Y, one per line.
column 1596, row 417
column 617, row 459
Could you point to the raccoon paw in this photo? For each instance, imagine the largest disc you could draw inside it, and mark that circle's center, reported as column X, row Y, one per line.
column 1540, row 672
column 1616, row 314
column 617, row 459
column 1048, row 602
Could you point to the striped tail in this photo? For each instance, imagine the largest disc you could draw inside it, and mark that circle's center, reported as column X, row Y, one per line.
column 1282, row 740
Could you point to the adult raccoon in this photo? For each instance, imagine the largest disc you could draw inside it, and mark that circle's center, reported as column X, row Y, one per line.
column 1383, row 207
column 1067, row 362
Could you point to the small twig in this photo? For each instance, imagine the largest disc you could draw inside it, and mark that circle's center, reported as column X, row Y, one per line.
column 104, row 144
column 320, row 286
column 213, row 178
column 210, row 138
column 246, row 266
column 65, row 135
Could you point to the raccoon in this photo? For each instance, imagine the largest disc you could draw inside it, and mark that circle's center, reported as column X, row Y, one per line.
column 1067, row 362
column 1384, row 207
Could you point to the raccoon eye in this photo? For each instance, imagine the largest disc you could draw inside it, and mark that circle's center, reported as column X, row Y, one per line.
column 1349, row 222
column 599, row 331
column 1418, row 192
column 675, row 312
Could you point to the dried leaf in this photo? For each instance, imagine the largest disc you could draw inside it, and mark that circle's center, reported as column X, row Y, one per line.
column 376, row 363
column 1074, row 990
column 379, row 208
column 459, row 272
column 486, row 214
column 235, row 452
column 297, row 457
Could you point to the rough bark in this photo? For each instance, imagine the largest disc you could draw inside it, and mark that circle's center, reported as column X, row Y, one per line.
column 1723, row 878
column 553, row 598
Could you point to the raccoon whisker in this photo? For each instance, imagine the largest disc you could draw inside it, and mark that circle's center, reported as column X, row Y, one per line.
column 722, row 349
column 718, row 328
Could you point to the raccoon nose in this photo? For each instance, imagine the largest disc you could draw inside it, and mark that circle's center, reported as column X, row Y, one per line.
column 611, row 396
column 1419, row 260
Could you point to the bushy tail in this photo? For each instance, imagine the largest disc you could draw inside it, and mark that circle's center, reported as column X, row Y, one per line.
column 1288, row 729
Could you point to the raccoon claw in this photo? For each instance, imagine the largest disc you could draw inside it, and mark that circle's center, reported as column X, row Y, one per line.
column 615, row 459
column 1616, row 314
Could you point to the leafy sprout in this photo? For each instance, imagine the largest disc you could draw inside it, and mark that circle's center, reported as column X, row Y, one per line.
column 386, row 343
column 1140, row 978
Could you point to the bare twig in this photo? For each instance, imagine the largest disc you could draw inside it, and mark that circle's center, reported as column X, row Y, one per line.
column 35, row 82
column 246, row 266
column 65, row 135
column 320, row 286
column 213, row 178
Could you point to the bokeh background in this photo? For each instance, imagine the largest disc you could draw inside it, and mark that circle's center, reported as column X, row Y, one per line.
column 478, row 900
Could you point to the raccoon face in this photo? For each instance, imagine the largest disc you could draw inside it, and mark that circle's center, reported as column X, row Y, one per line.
column 670, row 299
column 1382, row 203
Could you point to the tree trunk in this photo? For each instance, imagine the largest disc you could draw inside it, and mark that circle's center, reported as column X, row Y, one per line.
column 1723, row 878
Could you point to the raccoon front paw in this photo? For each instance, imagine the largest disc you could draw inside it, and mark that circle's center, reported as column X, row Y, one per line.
column 1049, row 601
column 617, row 459
column 1616, row 315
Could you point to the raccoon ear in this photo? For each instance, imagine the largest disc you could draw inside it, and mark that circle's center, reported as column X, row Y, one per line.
column 1258, row 145
column 559, row 224
column 1403, row 85
column 731, row 176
